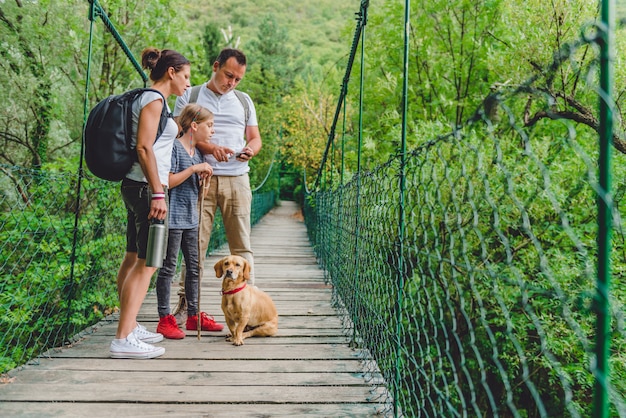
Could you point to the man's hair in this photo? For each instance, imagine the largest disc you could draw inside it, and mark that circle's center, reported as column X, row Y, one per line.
column 227, row 53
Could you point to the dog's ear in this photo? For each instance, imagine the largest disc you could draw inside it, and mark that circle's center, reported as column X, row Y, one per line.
column 246, row 269
column 219, row 271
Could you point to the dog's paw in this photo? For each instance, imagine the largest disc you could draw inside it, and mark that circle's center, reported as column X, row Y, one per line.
column 229, row 338
column 238, row 342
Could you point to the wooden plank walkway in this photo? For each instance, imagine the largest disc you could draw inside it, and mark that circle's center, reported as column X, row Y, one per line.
column 308, row 369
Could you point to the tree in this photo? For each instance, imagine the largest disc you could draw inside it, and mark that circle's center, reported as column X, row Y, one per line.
column 307, row 117
column 43, row 73
column 212, row 43
column 274, row 61
column 461, row 54
column 29, row 77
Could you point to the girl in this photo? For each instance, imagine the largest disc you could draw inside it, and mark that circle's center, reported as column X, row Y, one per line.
column 187, row 173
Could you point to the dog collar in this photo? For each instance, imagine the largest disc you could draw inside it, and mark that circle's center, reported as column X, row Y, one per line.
column 230, row 292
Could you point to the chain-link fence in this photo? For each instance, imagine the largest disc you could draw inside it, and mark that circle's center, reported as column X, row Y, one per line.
column 467, row 267
column 62, row 238
column 59, row 257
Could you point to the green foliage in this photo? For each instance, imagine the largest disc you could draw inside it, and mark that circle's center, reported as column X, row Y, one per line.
column 273, row 63
column 40, row 292
column 60, row 257
column 315, row 26
column 460, row 54
column 497, row 259
column 212, row 43
column 497, row 263
column 37, row 72
column 479, row 301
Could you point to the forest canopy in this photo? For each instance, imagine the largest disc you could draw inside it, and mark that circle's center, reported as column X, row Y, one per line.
column 461, row 52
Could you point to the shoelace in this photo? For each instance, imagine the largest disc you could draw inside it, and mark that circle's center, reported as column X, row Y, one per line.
column 138, row 343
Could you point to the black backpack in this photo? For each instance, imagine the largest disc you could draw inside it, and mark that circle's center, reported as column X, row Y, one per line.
column 108, row 135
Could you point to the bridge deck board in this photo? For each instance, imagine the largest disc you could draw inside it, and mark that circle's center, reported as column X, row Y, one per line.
column 308, row 369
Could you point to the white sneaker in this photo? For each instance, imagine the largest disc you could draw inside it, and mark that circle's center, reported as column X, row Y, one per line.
column 146, row 336
column 131, row 347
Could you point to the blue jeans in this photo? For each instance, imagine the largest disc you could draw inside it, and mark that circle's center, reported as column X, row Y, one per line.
column 187, row 241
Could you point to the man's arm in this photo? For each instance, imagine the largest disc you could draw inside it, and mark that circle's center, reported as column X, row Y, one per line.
column 254, row 144
column 220, row 153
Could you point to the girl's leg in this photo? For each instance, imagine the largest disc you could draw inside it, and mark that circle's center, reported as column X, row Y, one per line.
column 167, row 272
column 189, row 246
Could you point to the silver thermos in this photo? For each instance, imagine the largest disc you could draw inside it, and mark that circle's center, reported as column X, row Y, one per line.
column 156, row 244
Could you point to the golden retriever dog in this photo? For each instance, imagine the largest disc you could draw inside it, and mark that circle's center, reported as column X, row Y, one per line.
column 248, row 311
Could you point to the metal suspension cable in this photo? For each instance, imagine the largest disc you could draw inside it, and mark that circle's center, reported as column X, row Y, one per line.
column 95, row 11
column 344, row 87
column 267, row 175
column 80, row 176
column 98, row 11
column 357, row 218
column 401, row 210
column 605, row 39
column 343, row 143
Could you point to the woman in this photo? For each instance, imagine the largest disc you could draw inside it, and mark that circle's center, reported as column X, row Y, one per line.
column 144, row 191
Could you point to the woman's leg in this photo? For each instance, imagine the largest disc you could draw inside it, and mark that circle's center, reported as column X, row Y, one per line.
column 133, row 293
column 130, row 258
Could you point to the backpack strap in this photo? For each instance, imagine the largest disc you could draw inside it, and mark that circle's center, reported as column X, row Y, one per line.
column 244, row 103
column 165, row 115
column 195, row 91
column 134, row 95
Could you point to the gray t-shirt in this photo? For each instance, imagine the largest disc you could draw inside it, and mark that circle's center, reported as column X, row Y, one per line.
column 183, row 207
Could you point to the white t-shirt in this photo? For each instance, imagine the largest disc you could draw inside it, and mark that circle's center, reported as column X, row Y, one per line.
column 162, row 148
column 229, row 125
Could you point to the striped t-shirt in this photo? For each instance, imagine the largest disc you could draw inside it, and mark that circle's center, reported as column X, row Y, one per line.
column 184, row 197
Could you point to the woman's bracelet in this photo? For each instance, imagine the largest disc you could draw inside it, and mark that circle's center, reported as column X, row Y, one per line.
column 158, row 196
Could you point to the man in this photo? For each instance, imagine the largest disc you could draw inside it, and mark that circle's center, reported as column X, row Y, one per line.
column 236, row 140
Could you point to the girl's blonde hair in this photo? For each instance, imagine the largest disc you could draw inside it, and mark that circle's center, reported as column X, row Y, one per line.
column 193, row 113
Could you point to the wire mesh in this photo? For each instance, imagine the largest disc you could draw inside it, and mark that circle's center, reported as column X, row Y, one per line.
column 40, row 306
column 497, row 318
column 474, row 291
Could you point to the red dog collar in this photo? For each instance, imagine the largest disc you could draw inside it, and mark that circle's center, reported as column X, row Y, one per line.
column 230, row 292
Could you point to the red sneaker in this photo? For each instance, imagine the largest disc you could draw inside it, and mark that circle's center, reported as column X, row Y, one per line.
column 169, row 328
column 208, row 323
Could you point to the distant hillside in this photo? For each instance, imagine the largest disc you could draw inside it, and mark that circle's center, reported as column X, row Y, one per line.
column 321, row 28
